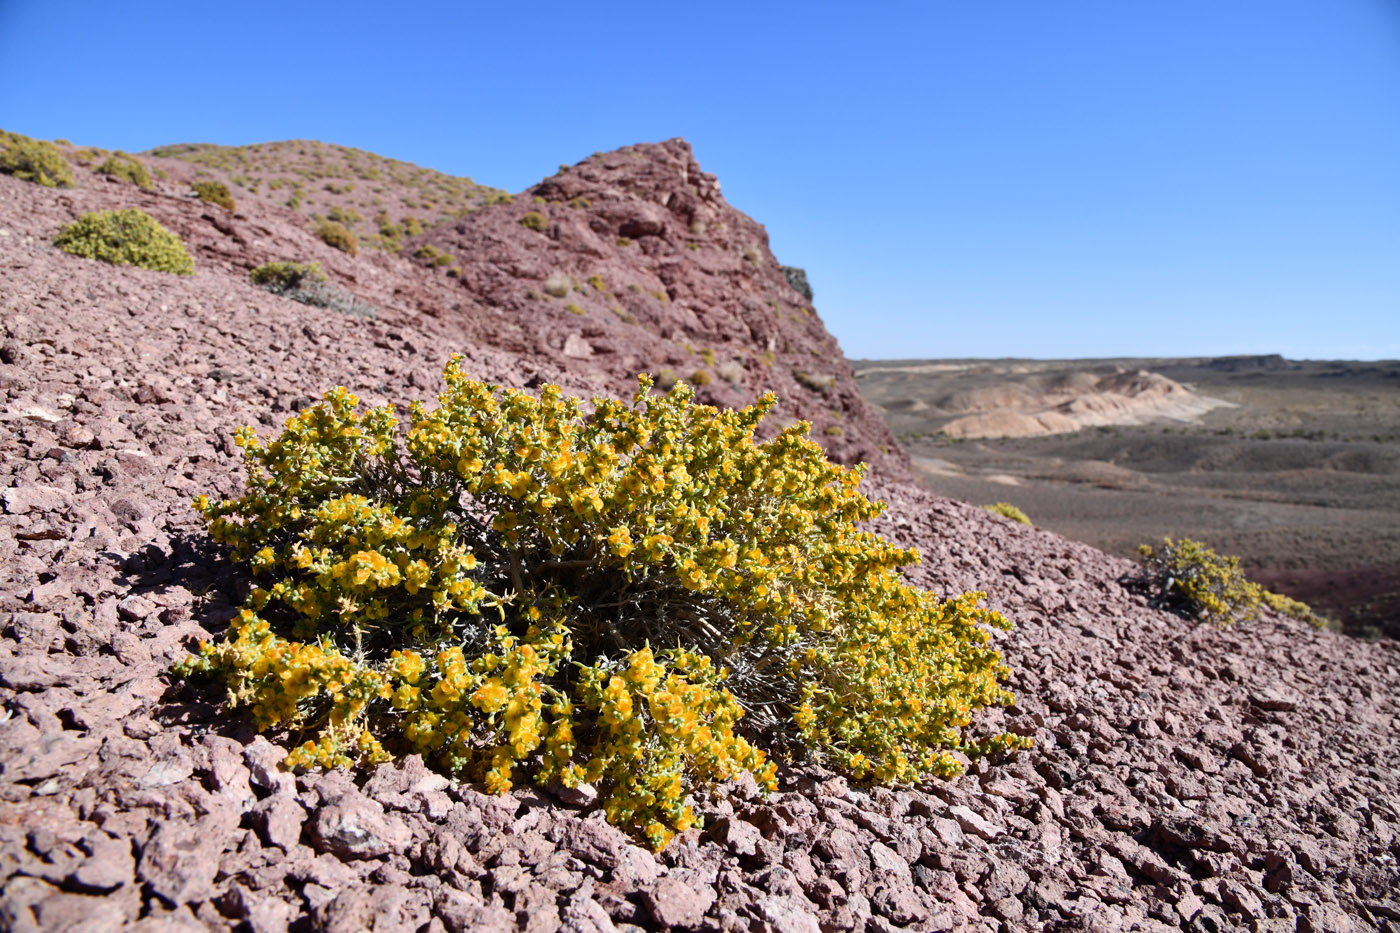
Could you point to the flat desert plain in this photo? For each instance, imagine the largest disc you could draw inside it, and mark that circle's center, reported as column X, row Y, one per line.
column 1298, row 475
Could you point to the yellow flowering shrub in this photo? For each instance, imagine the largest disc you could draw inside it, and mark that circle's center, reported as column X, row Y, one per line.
column 1190, row 579
column 637, row 598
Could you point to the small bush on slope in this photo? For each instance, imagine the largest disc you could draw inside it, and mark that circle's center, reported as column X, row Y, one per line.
column 34, row 160
column 122, row 165
column 339, row 236
column 1007, row 510
column 1190, row 579
column 126, row 238
column 517, row 590
column 215, row 192
column 306, row 283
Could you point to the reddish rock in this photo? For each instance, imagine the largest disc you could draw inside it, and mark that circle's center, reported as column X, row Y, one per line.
column 673, row 903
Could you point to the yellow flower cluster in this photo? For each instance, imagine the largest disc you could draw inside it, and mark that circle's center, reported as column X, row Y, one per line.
column 1191, row 579
column 483, row 589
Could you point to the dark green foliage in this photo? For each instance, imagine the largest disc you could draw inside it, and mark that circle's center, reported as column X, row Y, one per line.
column 797, row 278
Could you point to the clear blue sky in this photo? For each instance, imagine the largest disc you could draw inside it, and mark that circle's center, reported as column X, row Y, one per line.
column 959, row 179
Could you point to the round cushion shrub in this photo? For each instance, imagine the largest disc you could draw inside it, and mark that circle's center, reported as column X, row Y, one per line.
column 121, row 165
column 215, row 192
column 126, row 238
column 34, row 160
column 339, row 236
column 645, row 599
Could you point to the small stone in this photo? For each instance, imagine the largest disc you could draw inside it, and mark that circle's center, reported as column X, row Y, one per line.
column 789, row 914
column 972, row 823
column 462, row 914
column 1275, row 699
column 134, row 608
column 591, row 841
column 673, row 903
column 739, row 836
column 355, row 827
column 109, row 865
column 279, row 819
column 888, row 863
column 20, row 500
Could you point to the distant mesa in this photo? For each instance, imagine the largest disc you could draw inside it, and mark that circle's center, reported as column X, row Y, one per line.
column 1070, row 402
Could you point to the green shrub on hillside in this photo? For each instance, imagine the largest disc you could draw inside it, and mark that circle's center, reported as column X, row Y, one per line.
column 1007, row 510
column 284, row 276
column 343, row 215
column 121, row 165
column 1190, row 579
column 339, row 236
column 306, row 283
column 519, row 590
column 215, row 192
column 126, row 238
column 34, row 160
column 434, row 255
column 534, row 221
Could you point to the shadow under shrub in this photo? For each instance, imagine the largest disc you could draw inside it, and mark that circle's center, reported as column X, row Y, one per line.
column 126, row 238
column 636, row 598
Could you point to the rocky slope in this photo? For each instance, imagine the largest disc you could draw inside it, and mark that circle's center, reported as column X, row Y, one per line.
column 1183, row 776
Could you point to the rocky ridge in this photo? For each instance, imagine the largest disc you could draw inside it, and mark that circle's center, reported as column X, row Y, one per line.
column 1183, row 776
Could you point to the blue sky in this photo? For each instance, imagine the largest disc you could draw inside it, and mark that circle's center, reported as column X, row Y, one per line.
column 1069, row 179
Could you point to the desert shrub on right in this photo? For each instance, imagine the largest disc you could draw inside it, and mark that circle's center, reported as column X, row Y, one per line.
column 1192, row 580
